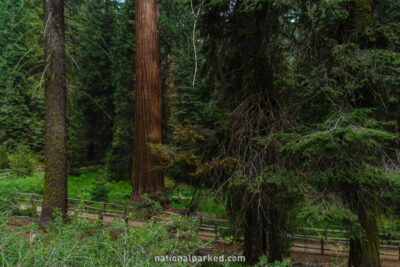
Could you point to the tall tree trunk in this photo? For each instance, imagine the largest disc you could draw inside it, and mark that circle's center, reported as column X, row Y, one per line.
column 254, row 230
column 276, row 240
column 364, row 252
column 55, row 181
column 148, row 101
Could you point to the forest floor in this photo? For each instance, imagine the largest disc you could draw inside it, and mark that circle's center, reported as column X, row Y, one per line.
column 306, row 257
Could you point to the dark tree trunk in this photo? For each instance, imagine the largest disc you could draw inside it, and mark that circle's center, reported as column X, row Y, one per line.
column 263, row 229
column 55, row 181
column 275, row 238
column 254, row 231
column 365, row 252
column 148, row 101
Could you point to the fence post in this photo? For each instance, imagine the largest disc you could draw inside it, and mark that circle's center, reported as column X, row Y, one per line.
column 101, row 215
column 323, row 240
column 84, row 209
column 322, row 246
column 125, row 216
column 216, row 232
column 31, row 201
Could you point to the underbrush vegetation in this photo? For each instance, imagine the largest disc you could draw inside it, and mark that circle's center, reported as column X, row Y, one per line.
column 82, row 242
column 91, row 184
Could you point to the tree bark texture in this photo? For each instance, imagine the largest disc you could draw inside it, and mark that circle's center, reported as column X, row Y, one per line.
column 365, row 252
column 55, row 181
column 148, row 101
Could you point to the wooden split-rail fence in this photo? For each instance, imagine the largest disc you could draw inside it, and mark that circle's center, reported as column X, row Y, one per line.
column 210, row 227
column 6, row 173
column 125, row 212
column 10, row 173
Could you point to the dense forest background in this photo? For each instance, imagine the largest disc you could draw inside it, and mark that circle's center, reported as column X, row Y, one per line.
column 100, row 56
column 288, row 111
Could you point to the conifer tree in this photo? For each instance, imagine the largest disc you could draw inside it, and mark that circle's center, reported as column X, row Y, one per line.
column 147, row 101
column 55, row 181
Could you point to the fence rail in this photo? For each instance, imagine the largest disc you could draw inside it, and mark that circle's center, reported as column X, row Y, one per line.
column 118, row 210
column 211, row 231
column 6, row 173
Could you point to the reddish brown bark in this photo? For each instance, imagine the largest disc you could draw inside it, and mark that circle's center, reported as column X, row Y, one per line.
column 55, row 181
column 147, row 101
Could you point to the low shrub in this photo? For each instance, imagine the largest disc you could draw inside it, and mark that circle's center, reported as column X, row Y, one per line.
column 23, row 161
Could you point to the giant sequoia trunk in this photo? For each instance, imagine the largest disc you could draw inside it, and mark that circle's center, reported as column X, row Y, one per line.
column 147, row 102
column 55, row 180
column 365, row 252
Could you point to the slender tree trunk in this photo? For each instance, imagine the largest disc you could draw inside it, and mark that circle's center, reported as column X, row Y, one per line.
column 55, row 181
column 148, row 101
column 365, row 252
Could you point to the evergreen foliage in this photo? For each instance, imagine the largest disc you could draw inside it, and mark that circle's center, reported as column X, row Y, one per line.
column 21, row 110
column 22, row 161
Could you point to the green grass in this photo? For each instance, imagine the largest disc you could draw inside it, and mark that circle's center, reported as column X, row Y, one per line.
column 80, row 186
column 209, row 205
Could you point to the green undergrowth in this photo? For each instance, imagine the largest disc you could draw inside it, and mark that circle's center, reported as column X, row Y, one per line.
column 83, row 242
column 207, row 203
column 84, row 184
column 78, row 186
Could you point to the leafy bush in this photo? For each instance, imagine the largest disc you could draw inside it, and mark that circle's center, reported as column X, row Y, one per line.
column 22, row 161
